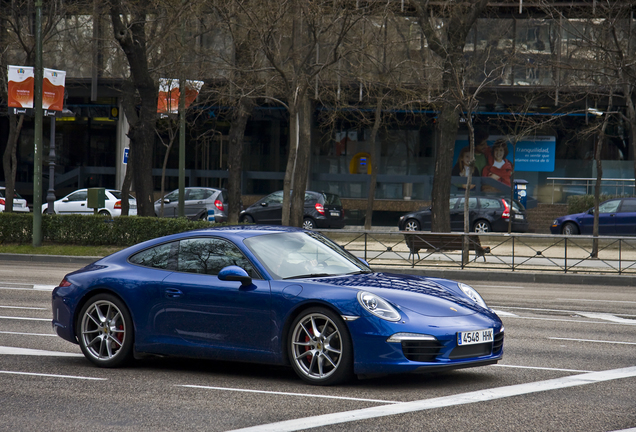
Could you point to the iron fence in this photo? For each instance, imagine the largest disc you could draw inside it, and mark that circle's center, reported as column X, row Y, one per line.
column 491, row 251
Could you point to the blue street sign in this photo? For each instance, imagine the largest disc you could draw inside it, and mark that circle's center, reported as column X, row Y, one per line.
column 125, row 156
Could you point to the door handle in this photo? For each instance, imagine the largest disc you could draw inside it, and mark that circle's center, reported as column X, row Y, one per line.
column 173, row 293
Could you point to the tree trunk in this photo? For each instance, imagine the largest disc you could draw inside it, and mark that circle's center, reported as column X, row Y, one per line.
column 375, row 165
column 291, row 160
column 10, row 161
column 235, row 158
column 302, row 161
column 447, row 128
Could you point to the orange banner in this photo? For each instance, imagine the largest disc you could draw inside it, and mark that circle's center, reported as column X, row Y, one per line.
column 169, row 94
column 53, row 90
column 21, row 79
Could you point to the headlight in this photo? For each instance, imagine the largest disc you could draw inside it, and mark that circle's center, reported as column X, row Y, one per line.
column 378, row 306
column 555, row 222
column 473, row 294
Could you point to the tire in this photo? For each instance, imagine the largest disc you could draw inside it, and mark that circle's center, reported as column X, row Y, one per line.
column 570, row 229
column 319, row 347
column 412, row 225
column 248, row 219
column 481, row 226
column 104, row 213
column 309, row 224
column 105, row 331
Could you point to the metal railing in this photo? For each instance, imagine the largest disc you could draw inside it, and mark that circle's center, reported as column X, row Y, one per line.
column 585, row 186
column 502, row 252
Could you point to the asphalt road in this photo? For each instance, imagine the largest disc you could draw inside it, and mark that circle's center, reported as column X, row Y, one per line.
column 569, row 365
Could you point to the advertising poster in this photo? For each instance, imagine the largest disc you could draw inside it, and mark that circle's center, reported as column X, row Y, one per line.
column 20, row 86
column 53, row 89
column 169, row 93
column 494, row 156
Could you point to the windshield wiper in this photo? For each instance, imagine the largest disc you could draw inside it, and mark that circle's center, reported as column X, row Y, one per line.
column 360, row 272
column 309, row 276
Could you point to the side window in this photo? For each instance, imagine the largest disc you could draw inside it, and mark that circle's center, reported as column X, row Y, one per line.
column 78, row 196
column 609, row 206
column 275, row 198
column 629, row 206
column 173, row 196
column 472, row 203
column 489, row 203
column 453, row 202
column 199, row 194
column 162, row 257
column 210, row 256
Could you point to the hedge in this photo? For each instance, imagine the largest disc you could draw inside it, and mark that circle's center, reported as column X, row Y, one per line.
column 582, row 203
column 93, row 230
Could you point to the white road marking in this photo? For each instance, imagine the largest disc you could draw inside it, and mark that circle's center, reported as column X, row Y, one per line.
column 22, row 307
column 445, row 401
column 290, row 394
column 597, row 301
column 595, row 341
column 567, row 311
column 543, row 368
column 52, row 376
column 34, row 352
column 564, row 320
column 44, row 287
column 608, row 317
column 497, row 286
column 28, row 334
column 25, row 318
column 505, row 314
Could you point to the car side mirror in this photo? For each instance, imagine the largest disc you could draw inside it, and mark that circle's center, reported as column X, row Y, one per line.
column 235, row 273
column 263, row 204
column 166, row 201
column 65, row 200
column 364, row 261
column 590, row 211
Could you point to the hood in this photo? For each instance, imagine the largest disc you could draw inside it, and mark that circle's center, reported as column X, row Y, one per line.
column 414, row 293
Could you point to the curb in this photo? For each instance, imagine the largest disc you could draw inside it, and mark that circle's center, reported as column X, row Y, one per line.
column 49, row 258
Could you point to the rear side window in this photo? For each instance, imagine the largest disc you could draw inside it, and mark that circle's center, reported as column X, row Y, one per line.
column 490, row 203
column 161, row 257
column 629, row 206
column 210, row 256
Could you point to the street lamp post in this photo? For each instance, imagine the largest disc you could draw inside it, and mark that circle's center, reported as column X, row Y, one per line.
column 50, row 195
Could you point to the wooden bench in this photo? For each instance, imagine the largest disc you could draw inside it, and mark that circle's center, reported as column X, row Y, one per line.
column 436, row 242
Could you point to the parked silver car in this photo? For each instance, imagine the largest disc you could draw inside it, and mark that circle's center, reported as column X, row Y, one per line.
column 201, row 203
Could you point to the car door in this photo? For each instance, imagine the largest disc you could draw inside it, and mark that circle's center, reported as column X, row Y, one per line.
column 203, row 310
column 270, row 209
column 195, row 203
column 457, row 214
column 170, row 204
column 625, row 221
column 606, row 218
column 74, row 203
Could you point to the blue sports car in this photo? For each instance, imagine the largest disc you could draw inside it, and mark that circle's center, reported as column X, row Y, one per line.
column 274, row 295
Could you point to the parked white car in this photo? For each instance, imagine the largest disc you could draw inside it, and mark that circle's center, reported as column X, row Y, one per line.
column 77, row 203
column 19, row 203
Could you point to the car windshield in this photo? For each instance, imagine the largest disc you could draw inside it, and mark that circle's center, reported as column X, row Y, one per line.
column 303, row 254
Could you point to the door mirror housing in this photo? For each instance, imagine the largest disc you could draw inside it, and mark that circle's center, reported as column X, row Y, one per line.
column 235, row 273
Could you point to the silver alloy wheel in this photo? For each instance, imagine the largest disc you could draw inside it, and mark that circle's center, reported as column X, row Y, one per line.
column 412, row 225
column 482, row 226
column 316, row 346
column 308, row 224
column 570, row 229
column 103, row 330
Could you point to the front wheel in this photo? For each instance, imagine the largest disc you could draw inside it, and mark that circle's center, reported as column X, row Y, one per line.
column 481, row 226
column 105, row 331
column 248, row 219
column 412, row 225
column 309, row 224
column 570, row 229
column 319, row 347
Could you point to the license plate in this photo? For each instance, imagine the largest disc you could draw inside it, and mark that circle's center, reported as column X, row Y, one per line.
column 518, row 216
column 474, row 337
column 334, row 213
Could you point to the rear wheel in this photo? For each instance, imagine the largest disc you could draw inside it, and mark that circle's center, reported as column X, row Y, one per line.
column 481, row 226
column 247, row 219
column 412, row 225
column 309, row 224
column 104, row 213
column 570, row 229
column 319, row 347
column 105, row 331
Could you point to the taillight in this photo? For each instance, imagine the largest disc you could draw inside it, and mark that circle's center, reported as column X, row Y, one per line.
column 64, row 283
column 2, row 201
column 218, row 204
column 118, row 204
column 320, row 209
column 506, row 212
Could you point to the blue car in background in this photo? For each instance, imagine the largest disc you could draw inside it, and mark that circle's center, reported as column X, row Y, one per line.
column 273, row 295
column 616, row 217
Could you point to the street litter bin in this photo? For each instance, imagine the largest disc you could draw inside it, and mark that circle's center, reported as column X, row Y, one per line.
column 521, row 191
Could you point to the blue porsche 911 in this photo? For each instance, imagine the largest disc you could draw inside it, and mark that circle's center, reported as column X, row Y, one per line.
column 275, row 295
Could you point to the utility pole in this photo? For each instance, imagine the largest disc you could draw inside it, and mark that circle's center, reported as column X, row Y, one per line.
column 37, row 140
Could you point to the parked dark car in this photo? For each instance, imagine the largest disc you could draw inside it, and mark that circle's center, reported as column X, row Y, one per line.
column 198, row 202
column 322, row 210
column 615, row 216
column 486, row 214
